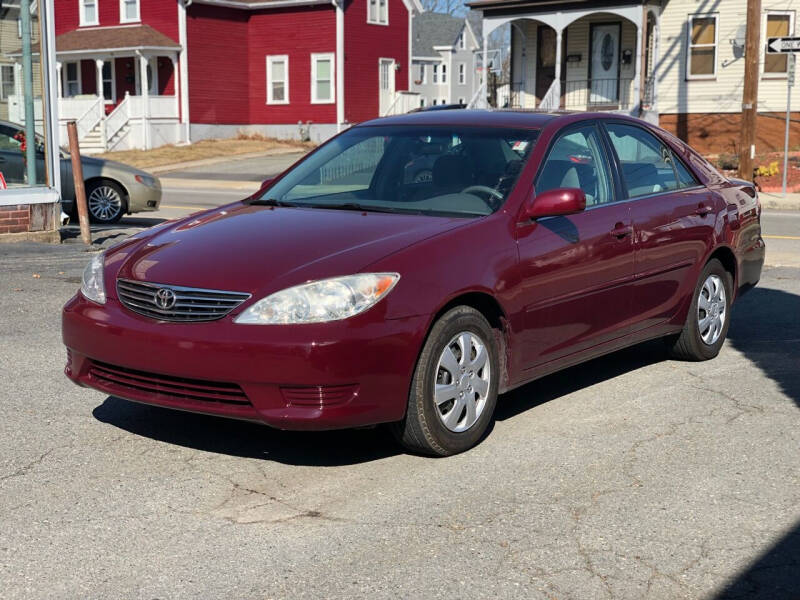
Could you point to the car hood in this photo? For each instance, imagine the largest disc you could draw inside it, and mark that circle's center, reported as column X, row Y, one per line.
column 259, row 249
column 103, row 164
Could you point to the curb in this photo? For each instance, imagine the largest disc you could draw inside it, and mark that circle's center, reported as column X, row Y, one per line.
column 47, row 237
column 209, row 184
column 778, row 202
column 221, row 159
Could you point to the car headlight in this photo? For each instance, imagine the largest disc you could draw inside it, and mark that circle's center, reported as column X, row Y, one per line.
column 146, row 180
column 92, row 284
column 319, row 301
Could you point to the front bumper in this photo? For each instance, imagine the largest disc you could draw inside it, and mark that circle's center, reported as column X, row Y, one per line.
column 142, row 198
column 323, row 376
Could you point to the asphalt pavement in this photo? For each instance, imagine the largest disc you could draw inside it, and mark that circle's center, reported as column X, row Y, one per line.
column 629, row 477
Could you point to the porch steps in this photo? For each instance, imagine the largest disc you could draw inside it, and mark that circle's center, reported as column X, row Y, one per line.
column 92, row 142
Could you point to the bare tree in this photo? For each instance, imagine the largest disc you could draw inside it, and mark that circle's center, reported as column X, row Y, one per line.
column 450, row 7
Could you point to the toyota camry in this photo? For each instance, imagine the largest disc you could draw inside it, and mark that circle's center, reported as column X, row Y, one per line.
column 412, row 268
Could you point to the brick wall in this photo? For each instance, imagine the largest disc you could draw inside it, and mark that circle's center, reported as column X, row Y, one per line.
column 15, row 218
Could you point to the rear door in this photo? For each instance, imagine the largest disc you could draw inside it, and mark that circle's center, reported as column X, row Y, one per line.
column 576, row 270
column 673, row 219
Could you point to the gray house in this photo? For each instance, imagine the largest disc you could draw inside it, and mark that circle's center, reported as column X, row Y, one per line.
column 443, row 59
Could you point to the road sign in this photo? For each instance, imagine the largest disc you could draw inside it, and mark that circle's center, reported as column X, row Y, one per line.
column 783, row 45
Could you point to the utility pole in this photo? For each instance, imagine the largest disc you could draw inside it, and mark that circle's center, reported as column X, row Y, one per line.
column 747, row 140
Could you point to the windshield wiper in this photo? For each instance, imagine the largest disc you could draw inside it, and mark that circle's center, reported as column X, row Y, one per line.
column 272, row 202
column 367, row 208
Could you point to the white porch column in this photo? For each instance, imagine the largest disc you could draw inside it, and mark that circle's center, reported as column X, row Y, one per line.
column 144, row 84
column 558, row 67
column 177, row 84
column 637, row 76
column 99, row 66
column 481, row 103
column 58, row 74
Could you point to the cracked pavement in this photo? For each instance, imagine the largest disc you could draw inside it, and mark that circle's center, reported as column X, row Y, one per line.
column 629, row 477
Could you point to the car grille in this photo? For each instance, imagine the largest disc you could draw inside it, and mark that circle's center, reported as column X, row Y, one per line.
column 167, row 386
column 184, row 303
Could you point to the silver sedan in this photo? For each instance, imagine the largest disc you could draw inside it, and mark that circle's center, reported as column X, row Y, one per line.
column 112, row 189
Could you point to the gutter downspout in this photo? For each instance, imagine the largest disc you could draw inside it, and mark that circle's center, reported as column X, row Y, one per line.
column 340, row 119
column 184, row 69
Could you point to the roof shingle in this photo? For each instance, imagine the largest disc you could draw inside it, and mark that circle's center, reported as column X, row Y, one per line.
column 434, row 29
column 118, row 38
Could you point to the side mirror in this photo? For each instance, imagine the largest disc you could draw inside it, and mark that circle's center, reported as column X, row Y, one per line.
column 555, row 203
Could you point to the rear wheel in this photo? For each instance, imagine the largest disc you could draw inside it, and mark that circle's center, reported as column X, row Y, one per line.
column 106, row 201
column 709, row 316
column 454, row 389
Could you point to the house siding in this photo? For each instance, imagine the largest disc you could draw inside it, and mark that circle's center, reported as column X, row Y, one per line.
column 276, row 32
column 364, row 45
column 218, row 64
column 161, row 15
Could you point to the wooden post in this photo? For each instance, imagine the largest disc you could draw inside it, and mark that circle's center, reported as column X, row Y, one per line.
column 750, row 94
column 77, row 176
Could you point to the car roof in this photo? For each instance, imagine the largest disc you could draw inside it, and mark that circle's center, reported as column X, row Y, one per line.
column 490, row 118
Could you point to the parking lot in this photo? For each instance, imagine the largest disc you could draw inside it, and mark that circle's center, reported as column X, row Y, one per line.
column 628, row 477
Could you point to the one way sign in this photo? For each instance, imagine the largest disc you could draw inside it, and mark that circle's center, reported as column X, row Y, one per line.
column 783, row 45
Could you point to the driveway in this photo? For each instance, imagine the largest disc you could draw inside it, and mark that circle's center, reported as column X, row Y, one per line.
column 627, row 477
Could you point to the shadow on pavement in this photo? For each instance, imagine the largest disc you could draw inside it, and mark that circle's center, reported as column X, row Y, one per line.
column 248, row 440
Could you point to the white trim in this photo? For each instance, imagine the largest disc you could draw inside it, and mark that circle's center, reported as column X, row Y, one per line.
column 689, row 18
column 184, row 69
column 4, row 65
column 30, row 194
column 82, row 13
column 65, row 78
column 50, row 85
column 423, row 80
column 428, row 58
column 340, row 115
column 769, row 13
column 259, row 5
column 377, row 20
column 136, row 19
column 275, row 58
column 112, row 65
column 129, row 51
column 315, row 58
column 475, row 44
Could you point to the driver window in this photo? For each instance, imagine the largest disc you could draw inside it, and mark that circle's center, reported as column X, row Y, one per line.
column 576, row 160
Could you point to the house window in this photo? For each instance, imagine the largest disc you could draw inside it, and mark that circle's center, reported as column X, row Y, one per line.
column 434, row 102
column 422, row 102
column 278, row 79
column 322, row 78
column 462, row 44
column 378, row 12
column 72, row 81
column 421, row 78
column 702, row 56
column 777, row 25
column 462, row 102
column 128, row 11
column 6, row 81
column 462, row 73
column 435, row 73
column 88, row 12
column 109, row 91
column 443, row 101
column 444, row 73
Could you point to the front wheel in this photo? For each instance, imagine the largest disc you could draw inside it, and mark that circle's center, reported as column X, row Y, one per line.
column 454, row 389
column 106, row 202
column 709, row 316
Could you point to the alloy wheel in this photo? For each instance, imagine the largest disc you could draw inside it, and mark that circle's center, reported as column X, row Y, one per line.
column 463, row 375
column 711, row 309
column 105, row 203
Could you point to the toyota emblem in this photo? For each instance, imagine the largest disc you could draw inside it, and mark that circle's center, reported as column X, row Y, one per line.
column 165, row 298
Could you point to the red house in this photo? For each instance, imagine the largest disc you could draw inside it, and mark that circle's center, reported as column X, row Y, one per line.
column 142, row 73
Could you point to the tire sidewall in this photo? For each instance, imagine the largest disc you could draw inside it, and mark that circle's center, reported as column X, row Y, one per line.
column 713, row 267
column 451, row 324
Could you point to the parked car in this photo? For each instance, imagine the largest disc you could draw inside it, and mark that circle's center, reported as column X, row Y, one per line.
column 346, row 293
column 112, row 189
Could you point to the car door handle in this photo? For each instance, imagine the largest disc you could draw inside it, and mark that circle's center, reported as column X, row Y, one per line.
column 621, row 231
column 703, row 210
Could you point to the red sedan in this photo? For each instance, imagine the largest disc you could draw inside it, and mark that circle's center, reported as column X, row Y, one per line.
column 413, row 268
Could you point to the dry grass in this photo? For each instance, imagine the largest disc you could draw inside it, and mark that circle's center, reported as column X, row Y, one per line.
column 165, row 155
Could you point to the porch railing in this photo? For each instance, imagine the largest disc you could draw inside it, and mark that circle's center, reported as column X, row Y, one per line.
column 90, row 118
column 118, row 118
column 598, row 94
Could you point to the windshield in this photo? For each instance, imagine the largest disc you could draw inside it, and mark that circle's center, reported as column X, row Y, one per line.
column 453, row 171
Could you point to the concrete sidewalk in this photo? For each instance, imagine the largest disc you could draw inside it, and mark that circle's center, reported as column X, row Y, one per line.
column 777, row 201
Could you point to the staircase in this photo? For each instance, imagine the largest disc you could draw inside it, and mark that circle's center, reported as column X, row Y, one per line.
column 93, row 142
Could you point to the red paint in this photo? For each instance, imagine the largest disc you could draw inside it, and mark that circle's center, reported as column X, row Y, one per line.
column 364, row 45
column 161, row 15
column 570, row 288
column 88, row 77
column 555, row 203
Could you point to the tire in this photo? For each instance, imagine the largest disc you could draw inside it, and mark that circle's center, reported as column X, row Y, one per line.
column 106, row 201
column 698, row 341
column 463, row 412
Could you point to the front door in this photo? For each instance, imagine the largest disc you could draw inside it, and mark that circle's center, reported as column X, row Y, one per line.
column 386, row 84
column 604, row 73
column 577, row 271
column 545, row 60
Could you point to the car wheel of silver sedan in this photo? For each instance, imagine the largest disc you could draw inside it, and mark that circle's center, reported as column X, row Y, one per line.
column 454, row 390
column 106, row 202
column 709, row 316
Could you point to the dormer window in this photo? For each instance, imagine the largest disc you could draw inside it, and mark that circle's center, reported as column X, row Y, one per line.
column 129, row 11
column 88, row 12
column 378, row 12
